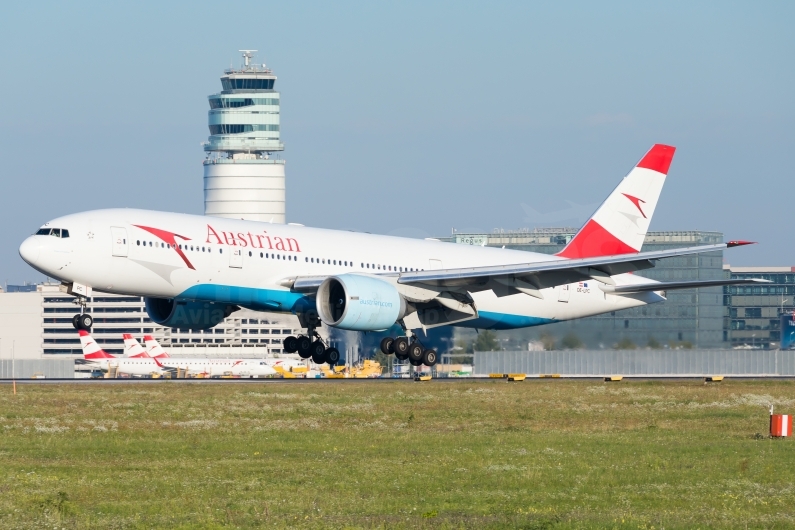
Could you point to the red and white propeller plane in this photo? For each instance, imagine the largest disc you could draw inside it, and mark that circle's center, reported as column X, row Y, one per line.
column 194, row 271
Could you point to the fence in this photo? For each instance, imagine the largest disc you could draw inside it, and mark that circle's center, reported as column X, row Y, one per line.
column 25, row 368
column 650, row 363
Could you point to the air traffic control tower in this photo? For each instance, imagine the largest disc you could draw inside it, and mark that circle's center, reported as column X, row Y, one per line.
column 242, row 178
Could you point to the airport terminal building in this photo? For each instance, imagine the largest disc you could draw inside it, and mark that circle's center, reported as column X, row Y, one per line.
column 37, row 323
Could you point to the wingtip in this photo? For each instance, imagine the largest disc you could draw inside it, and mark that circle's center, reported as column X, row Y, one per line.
column 739, row 243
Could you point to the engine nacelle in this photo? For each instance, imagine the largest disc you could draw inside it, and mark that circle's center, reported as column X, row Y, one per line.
column 187, row 315
column 359, row 303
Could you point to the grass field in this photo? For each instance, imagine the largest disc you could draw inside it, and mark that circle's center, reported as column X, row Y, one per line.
column 468, row 454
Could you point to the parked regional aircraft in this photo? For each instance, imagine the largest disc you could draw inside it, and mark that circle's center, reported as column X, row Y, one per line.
column 208, row 366
column 99, row 358
column 194, row 271
column 145, row 365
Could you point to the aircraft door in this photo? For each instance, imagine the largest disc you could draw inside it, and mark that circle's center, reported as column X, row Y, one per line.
column 236, row 259
column 563, row 293
column 435, row 264
column 119, row 237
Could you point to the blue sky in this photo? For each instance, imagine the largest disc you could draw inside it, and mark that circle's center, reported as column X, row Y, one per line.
column 408, row 118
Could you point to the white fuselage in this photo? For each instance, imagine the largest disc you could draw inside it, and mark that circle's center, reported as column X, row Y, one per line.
column 246, row 263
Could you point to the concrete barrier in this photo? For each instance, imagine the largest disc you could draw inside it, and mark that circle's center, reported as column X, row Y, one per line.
column 638, row 363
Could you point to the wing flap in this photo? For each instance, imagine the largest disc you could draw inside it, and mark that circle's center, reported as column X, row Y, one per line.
column 548, row 273
column 670, row 286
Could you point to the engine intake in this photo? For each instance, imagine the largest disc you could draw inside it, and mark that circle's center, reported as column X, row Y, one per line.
column 359, row 303
column 187, row 315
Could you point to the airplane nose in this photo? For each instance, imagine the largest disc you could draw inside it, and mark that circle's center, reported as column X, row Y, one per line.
column 30, row 250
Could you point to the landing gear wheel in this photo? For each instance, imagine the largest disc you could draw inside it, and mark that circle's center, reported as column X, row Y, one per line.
column 429, row 358
column 332, row 356
column 85, row 321
column 415, row 353
column 317, row 351
column 76, row 321
column 415, row 363
column 290, row 344
column 400, row 346
column 304, row 345
column 386, row 345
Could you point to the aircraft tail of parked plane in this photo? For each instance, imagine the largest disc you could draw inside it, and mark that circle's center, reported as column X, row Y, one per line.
column 132, row 348
column 620, row 224
column 91, row 349
column 153, row 348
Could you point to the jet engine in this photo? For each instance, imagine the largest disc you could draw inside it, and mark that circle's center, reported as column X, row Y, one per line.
column 359, row 303
column 187, row 315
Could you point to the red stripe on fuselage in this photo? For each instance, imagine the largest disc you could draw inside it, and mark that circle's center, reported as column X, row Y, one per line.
column 593, row 241
column 168, row 237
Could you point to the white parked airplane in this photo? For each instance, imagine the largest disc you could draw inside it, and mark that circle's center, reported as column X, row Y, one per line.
column 209, row 366
column 194, row 271
column 96, row 357
column 145, row 365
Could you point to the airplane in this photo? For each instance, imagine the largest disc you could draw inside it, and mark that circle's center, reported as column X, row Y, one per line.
column 207, row 366
column 194, row 271
column 98, row 358
column 217, row 367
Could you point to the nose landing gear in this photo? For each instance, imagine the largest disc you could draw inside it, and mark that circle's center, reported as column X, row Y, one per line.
column 82, row 321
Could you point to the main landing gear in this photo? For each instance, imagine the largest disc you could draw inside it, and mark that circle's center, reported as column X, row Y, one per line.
column 316, row 349
column 82, row 321
column 411, row 349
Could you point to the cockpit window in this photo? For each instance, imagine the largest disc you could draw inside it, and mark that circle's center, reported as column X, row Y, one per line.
column 57, row 232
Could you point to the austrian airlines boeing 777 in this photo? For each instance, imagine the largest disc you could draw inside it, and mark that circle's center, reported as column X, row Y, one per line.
column 194, row 271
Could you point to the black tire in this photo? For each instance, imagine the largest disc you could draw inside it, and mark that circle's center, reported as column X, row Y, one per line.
column 386, row 345
column 76, row 321
column 415, row 352
column 304, row 346
column 290, row 344
column 317, row 352
column 400, row 347
column 429, row 358
column 332, row 356
column 415, row 363
column 85, row 322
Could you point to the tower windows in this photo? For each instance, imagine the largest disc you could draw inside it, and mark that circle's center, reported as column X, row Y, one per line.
column 231, row 128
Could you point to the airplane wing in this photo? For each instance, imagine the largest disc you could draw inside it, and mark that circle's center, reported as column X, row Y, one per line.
column 530, row 278
column 670, row 286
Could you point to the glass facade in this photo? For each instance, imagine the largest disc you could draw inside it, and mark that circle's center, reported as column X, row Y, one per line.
column 752, row 313
column 232, row 103
column 234, row 128
column 247, row 84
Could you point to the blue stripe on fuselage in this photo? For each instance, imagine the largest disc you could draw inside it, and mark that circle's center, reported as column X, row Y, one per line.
column 489, row 320
column 278, row 300
column 249, row 297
